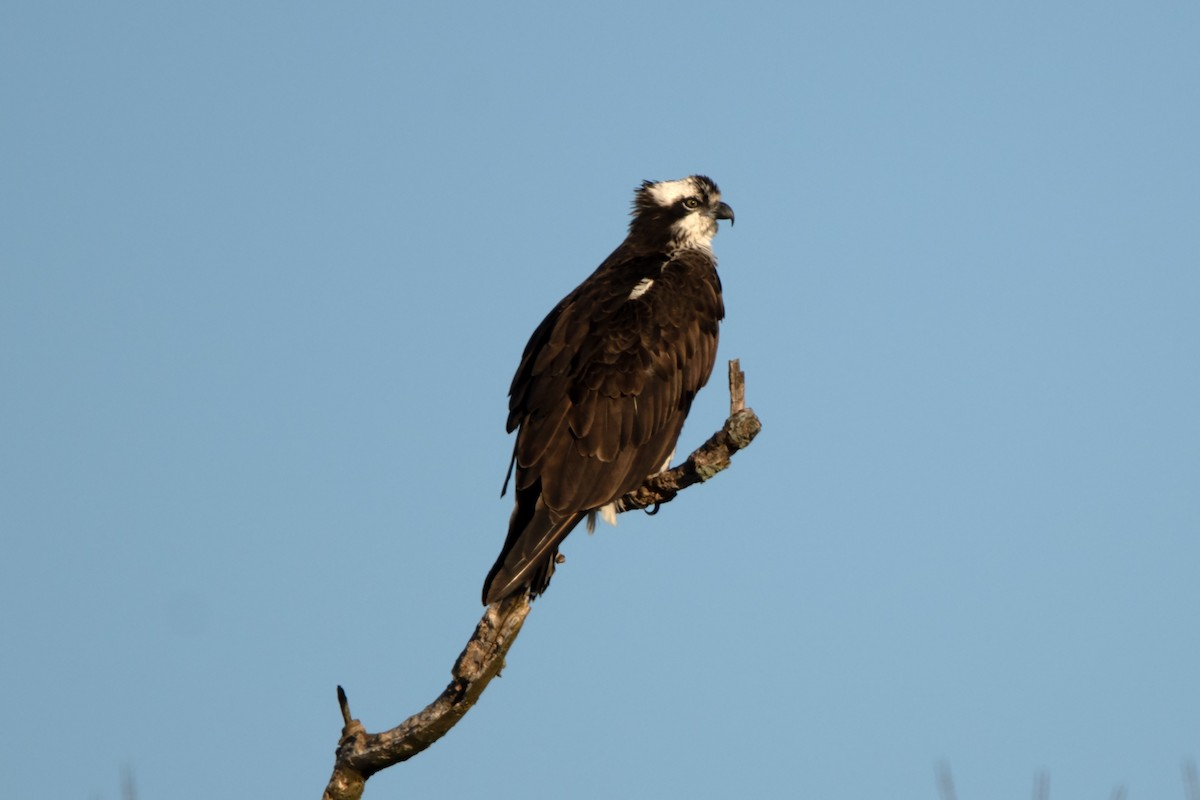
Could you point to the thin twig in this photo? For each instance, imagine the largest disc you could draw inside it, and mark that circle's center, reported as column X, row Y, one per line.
column 945, row 782
column 344, row 703
column 1041, row 785
column 737, row 387
column 1191, row 783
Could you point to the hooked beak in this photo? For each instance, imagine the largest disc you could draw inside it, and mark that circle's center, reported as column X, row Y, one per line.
column 724, row 212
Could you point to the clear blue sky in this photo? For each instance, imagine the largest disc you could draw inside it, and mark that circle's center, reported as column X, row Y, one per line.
column 267, row 269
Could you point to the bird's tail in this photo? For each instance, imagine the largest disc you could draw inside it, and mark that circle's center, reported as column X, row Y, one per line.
column 530, row 551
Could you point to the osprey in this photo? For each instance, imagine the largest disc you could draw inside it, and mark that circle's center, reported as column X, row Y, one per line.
column 608, row 377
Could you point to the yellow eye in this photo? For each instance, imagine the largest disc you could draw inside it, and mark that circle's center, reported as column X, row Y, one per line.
column 691, row 203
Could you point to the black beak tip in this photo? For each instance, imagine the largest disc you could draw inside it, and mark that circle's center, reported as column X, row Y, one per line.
column 725, row 212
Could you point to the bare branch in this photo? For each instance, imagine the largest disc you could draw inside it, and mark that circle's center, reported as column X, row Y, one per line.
column 1041, row 785
column 945, row 782
column 128, row 784
column 360, row 754
column 1191, row 783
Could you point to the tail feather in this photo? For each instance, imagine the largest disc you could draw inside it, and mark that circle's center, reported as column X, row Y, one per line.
column 530, row 552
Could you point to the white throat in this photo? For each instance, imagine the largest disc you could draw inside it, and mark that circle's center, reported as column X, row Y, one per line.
column 694, row 232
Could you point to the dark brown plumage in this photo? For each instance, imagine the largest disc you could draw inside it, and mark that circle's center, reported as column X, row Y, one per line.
column 608, row 377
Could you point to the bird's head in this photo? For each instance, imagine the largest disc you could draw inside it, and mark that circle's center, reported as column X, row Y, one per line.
column 678, row 214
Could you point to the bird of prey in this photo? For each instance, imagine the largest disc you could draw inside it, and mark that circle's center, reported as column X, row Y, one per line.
column 608, row 377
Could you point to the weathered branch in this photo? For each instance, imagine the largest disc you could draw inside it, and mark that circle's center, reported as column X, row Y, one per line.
column 360, row 754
